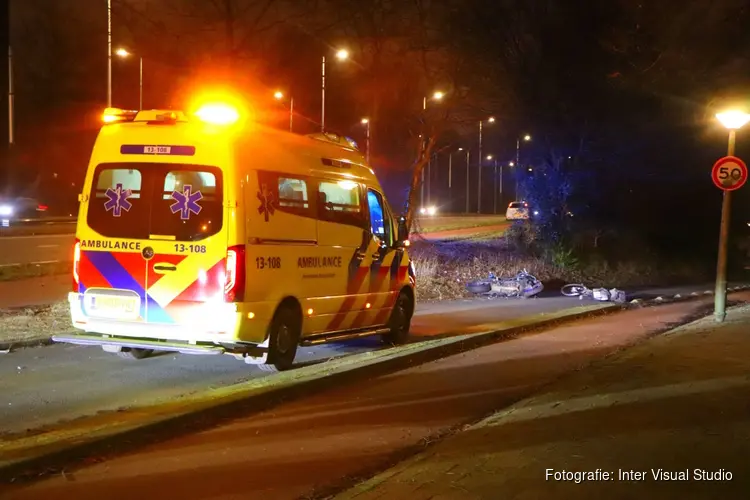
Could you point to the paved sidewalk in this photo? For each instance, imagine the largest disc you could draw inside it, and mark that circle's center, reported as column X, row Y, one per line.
column 677, row 403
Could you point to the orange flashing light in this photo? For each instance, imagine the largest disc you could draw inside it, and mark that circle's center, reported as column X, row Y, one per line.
column 218, row 114
column 114, row 115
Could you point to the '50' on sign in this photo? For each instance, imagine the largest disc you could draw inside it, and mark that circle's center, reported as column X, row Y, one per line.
column 729, row 173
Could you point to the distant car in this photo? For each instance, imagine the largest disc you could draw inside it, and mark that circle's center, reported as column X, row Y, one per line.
column 21, row 208
column 517, row 210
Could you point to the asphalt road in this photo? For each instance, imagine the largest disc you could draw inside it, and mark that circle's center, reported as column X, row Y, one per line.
column 16, row 250
column 44, row 385
column 307, row 445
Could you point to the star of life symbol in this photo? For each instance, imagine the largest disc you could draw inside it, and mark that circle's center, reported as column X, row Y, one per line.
column 266, row 207
column 186, row 202
column 117, row 200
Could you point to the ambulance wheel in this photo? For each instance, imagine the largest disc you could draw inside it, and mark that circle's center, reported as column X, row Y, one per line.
column 135, row 353
column 400, row 321
column 283, row 339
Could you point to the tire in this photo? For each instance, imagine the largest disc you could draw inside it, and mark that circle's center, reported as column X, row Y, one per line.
column 573, row 290
column 284, row 337
column 400, row 321
column 135, row 353
column 479, row 286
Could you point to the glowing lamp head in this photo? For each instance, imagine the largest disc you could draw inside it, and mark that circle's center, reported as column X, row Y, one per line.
column 278, row 95
column 365, row 121
column 489, row 157
column 218, row 114
column 122, row 53
column 527, row 137
column 438, row 95
column 342, row 54
column 733, row 119
column 491, row 119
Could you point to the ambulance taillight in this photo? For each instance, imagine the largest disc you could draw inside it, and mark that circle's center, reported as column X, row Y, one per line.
column 234, row 287
column 76, row 264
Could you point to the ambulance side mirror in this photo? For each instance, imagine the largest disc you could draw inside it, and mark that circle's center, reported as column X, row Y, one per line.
column 402, row 233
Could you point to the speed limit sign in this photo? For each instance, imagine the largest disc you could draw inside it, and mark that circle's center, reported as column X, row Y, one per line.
column 729, row 173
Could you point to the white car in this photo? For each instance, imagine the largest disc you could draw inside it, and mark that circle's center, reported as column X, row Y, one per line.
column 517, row 210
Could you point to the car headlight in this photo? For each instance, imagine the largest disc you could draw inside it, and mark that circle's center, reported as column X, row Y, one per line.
column 431, row 211
column 422, row 211
column 6, row 210
column 536, row 212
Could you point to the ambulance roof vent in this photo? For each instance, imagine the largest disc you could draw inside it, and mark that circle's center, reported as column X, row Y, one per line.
column 161, row 116
column 338, row 139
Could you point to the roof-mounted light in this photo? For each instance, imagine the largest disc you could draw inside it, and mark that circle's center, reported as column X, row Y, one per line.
column 218, row 114
column 115, row 115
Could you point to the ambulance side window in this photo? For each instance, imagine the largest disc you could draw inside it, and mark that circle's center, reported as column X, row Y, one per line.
column 379, row 221
column 339, row 201
column 293, row 193
column 116, row 208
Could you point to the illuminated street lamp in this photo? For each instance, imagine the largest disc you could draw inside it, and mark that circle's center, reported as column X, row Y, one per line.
column 123, row 54
column 279, row 95
column 733, row 121
column 341, row 55
column 526, row 138
column 491, row 119
column 366, row 123
column 436, row 96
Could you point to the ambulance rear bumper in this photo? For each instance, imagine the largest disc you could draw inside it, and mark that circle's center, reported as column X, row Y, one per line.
column 157, row 345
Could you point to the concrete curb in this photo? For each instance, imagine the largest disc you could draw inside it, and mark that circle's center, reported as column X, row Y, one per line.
column 72, row 449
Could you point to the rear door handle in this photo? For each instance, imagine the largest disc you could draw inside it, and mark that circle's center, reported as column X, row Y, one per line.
column 359, row 254
column 376, row 256
column 159, row 267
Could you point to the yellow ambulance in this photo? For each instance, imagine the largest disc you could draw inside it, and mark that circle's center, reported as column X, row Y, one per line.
column 206, row 233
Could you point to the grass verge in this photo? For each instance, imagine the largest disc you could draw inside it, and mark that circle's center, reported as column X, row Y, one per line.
column 17, row 272
column 452, row 223
column 33, row 324
column 444, row 267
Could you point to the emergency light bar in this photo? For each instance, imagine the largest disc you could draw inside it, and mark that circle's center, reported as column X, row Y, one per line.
column 115, row 115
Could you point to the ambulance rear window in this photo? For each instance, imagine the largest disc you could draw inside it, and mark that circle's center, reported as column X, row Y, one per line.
column 138, row 200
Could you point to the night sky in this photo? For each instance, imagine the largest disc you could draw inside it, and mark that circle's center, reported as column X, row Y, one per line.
column 628, row 90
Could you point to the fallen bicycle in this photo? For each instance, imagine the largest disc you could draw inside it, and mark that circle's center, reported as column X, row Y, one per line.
column 600, row 294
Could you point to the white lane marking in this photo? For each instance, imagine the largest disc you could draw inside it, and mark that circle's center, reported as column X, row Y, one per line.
column 37, row 263
column 37, row 236
column 47, row 246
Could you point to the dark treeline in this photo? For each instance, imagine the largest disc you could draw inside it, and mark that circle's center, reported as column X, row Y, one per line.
column 619, row 96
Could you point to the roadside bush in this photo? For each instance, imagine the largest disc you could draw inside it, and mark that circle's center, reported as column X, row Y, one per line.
column 443, row 269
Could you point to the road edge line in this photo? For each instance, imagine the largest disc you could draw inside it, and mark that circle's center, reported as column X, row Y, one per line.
column 163, row 428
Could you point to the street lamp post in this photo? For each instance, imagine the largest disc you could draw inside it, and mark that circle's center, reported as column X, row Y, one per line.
column 109, row 53
column 11, row 99
column 450, row 177
column 124, row 53
column 366, row 123
column 436, row 96
column 733, row 121
column 494, row 198
column 468, row 151
column 341, row 55
column 526, row 138
column 479, row 166
column 278, row 95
